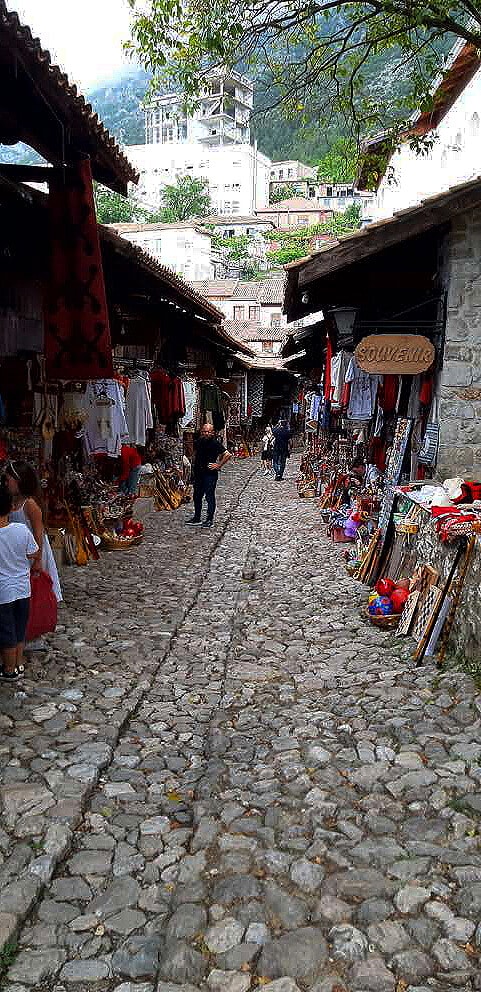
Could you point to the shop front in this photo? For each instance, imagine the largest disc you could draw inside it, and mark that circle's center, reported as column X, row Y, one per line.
column 377, row 369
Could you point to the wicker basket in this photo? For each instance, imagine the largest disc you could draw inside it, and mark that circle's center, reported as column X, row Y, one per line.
column 386, row 623
column 111, row 542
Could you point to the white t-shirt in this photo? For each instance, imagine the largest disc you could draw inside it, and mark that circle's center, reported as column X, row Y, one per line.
column 16, row 542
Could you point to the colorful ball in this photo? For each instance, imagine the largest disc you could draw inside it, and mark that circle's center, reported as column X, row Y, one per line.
column 381, row 607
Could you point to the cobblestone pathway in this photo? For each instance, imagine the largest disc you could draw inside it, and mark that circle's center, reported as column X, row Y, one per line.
column 218, row 784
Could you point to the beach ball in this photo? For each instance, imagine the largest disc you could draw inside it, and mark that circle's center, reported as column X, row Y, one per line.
column 381, row 607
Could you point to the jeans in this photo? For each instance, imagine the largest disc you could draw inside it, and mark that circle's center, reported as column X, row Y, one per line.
column 204, row 485
column 279, row 463
column 130, row 486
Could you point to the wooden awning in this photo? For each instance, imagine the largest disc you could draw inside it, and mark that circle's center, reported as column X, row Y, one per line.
column 39, row 106
column 371, row 242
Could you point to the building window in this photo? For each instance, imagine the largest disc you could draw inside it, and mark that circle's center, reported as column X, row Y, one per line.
column 268, row 346
column 275, row 320
column 254, row 313
column 328, row 190
column 312, row 192
column 281, row 173
column 289, row 173
column 235, row 206
column 239, row 313
column 474, row 125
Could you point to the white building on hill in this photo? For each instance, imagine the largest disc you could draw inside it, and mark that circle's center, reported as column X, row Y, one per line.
column 184, row 247
column 452, row 126
column 253, row 311
column 212, row 143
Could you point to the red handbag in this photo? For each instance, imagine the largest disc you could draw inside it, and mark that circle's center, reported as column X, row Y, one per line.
column 43, row 606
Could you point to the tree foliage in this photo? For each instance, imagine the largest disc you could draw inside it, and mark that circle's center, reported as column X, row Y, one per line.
column 289, row 245
column 284, row 192
column 320, row 59
column 112, row 208
column 338, row 165
column 187, row 199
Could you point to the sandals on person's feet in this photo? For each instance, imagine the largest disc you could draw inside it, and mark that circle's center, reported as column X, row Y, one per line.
column 10, row 676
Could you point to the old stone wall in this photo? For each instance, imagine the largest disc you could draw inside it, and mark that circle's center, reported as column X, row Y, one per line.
column 460, row 384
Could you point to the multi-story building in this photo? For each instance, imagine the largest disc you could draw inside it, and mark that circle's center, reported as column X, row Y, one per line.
column 253, row 311
column 452, row 129
column 290, row 171
column 296, row 211
column 222, row 116
column 184, row 247
column 211, row 143
column 335, row 197
column 237, row 175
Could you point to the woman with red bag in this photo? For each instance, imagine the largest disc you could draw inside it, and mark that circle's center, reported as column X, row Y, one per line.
column 18, row 549
column 24, row 487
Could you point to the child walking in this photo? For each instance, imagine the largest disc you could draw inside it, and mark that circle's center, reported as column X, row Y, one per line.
column 18, row 550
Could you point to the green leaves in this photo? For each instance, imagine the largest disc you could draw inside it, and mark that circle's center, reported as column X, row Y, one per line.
column 362, row 66
column 189, row 198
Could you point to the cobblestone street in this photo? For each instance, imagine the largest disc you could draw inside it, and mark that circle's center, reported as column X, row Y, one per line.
column 221, row 777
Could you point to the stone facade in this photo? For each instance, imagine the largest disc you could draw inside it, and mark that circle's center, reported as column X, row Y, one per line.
column 460, row 387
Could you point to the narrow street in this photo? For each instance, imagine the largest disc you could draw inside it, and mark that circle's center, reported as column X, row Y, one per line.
column 222, row 777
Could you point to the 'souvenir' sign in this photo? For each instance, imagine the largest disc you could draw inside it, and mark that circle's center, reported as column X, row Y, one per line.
column 398, row 354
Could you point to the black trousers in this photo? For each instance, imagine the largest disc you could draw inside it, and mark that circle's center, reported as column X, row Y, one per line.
column 204, row 485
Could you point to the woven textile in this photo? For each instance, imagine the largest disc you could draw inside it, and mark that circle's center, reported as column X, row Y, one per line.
column 77, row 334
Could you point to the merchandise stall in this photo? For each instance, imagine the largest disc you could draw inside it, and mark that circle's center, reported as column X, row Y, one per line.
column 371, row 373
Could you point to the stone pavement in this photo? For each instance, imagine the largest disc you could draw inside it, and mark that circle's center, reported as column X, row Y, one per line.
column 223, row 779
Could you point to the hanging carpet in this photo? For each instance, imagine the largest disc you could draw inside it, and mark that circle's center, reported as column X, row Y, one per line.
column 77, row 334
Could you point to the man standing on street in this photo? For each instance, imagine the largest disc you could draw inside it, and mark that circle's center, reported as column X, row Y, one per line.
column 282, row 436
column 209, row 457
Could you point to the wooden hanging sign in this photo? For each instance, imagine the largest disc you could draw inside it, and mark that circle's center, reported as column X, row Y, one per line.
column 395, row 354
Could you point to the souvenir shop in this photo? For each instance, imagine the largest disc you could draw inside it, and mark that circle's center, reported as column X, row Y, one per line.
column 371, row 379
column 93, row 392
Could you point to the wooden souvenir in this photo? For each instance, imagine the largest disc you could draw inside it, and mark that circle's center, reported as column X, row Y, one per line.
column 435, row 618
column 407, row 615
column 364, row 569
column 438, row 626
column 457, row 589
column 395, row 354
column 427, row 609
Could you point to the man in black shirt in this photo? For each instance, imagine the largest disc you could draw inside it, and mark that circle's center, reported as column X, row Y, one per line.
column 209, row 456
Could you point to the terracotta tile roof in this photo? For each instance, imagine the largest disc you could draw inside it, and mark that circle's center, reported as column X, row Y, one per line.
column 181, row 225
column 251, row 330
column 292, row 203
column 83, row 131
column 152, row 266
column 225, row 220
column 262, row 291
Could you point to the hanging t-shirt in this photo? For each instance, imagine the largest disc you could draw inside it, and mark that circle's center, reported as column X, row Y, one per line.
column 138, row 407
column 364, row 389
column 339, row 365
column 106, row 426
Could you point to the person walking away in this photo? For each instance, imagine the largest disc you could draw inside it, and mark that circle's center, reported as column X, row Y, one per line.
column 209, row 457
column 24, row 488
column 18, row 552
column 282, row 436
column 267, row 446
